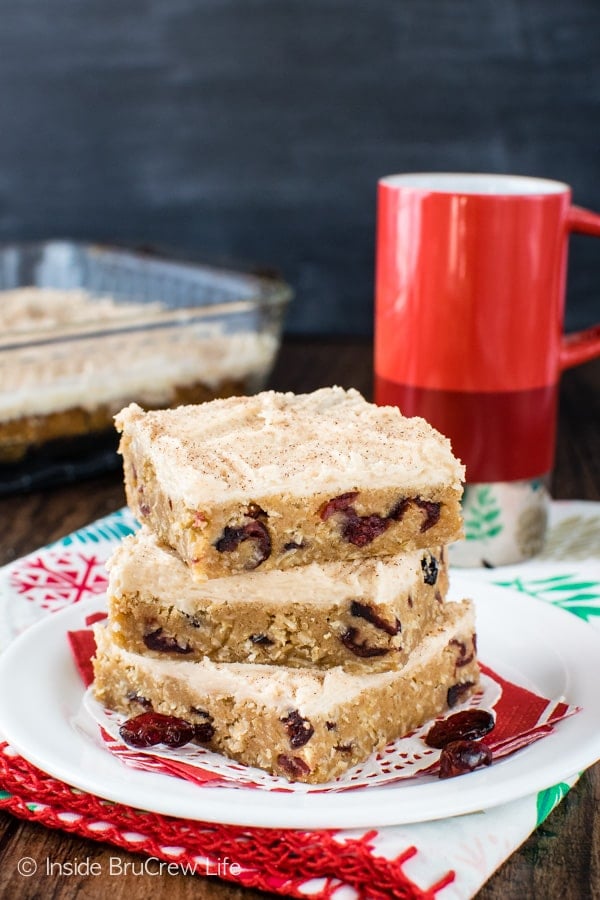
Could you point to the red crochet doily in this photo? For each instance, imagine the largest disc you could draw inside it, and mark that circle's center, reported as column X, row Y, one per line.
column 270, row 860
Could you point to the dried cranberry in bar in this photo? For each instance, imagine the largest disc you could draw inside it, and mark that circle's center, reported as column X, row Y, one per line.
column 459, row 692
column 299, row 729
column 366, row 611
column 360, row 648
column 293, row 767
column 165, row 643
column 255, row 531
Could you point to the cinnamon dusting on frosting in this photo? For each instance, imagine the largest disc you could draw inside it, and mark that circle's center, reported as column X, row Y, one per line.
column 273, row 443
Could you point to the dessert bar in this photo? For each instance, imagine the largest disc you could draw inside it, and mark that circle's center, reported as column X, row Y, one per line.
column 358, row 614
column 280, row 480
column 304, row 724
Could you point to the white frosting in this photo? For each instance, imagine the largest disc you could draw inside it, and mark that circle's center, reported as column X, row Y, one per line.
column 250, row 447
column 141, row 565
column 61, row 372
column 34, row 309
column 310, row 691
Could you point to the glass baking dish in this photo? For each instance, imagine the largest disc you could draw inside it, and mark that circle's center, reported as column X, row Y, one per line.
column 86, row 329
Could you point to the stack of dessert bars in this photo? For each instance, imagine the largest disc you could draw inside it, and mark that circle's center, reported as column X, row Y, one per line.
column 286, row 594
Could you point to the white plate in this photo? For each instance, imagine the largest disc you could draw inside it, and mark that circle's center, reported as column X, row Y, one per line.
column 528, row 641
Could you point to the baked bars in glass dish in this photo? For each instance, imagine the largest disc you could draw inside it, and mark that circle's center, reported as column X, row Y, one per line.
column 85, row 329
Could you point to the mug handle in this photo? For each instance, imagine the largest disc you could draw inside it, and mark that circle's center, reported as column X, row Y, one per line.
column 581, row 346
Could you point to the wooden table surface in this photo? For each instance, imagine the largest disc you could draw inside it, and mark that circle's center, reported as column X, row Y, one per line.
column 560, row 860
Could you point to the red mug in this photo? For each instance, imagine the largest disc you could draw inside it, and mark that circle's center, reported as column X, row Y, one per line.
column 470, row 291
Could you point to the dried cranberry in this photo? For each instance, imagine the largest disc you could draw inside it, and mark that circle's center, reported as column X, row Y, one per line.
column 165, row 643
column 337, row 504
column 348, row 639
column 431, row 510
column 259, row 533
column 466, row 725
column 430, row 569
column 397, row 512
column 299, row 729
column 153, row 728
column 144, row 509
column 462, row 658
column 262, row 639
column 293, row 766
column 256, row 531
column 230, row 539
column 459, row 757
column 136, row 698
column 362, row 530
column 365, row 611
column 203, row 732
column 457, row 691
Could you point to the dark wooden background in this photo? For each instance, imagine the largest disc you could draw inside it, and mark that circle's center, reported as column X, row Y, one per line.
column 254, row 131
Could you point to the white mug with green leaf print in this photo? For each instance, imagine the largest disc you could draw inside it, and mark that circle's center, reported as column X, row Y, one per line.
column 505, row 522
